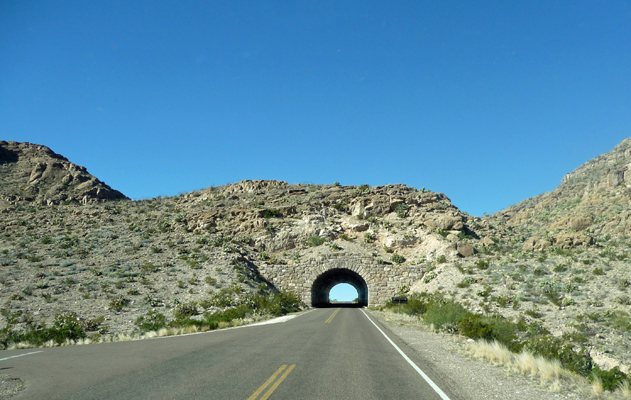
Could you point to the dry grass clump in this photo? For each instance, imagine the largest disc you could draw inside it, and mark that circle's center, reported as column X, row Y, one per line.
column 548, row 372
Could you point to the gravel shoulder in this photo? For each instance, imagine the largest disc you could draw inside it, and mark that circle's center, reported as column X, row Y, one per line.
column 474, row 379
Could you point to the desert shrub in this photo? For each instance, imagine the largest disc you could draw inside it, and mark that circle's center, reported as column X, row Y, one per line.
column 489, row 328
column 610, row 379
column 211, row 281
column 540, row 271
column 313, row 241
column 441, row 232
column 397, row 258
column 183, row 311
column 152, row 321
column 561, row 268
column 118, row 302
column 401, row 209
column 466, row 282
column 442, row 312
column 269, row 213
column 65, row 327
column 554, row 348
column 623, row 283
column 429, row 277
column 482, row 264
column 598, row 271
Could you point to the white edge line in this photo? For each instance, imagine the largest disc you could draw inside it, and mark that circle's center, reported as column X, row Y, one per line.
column 21, row 355
column 420, row 372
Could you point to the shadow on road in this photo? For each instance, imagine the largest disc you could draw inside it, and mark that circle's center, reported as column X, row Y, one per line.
column 338, row 305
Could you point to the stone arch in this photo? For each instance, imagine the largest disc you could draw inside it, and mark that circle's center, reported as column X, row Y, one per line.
column 327, row 280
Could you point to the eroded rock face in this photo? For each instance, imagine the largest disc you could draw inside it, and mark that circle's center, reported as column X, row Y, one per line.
column 536, row 244
column 31, row 172
column 592, row 200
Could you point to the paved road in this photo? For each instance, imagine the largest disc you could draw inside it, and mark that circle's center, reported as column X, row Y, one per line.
column 330, row 353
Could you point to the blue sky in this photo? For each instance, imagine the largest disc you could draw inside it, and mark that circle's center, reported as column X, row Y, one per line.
column 488, row 102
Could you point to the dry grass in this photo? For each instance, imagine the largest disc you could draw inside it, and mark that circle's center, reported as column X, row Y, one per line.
column 549, row 372
column 625, row 390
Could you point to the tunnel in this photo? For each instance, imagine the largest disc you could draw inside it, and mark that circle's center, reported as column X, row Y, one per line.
column 327, row 280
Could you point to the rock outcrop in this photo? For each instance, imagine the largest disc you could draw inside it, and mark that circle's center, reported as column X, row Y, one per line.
column 34, row 173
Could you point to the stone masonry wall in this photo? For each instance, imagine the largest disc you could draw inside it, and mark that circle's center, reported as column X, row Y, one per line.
column 383, row 280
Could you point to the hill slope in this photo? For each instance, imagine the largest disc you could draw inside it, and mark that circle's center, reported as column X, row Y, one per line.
column 70, row 244
column 32, row 172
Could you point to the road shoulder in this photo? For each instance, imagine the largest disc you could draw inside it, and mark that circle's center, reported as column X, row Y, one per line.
column 472, row 379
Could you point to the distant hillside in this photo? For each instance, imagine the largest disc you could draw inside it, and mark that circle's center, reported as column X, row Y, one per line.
column 591, row 202
column 31, row 172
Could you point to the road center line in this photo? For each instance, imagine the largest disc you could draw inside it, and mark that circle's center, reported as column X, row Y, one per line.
column 332, row 316
column 282, row 378
column 270, row 380
column 420, row 372
column 21, row 355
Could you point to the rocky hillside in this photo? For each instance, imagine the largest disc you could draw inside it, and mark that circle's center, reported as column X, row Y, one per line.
column 34, row 173
column 71, row 244
column 591, row 202
column 560, row 260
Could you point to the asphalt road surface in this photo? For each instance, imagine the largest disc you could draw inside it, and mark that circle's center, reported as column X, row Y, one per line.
column 328, row 353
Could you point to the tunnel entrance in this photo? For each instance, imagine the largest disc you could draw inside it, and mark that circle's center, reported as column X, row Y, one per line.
column 325, row 282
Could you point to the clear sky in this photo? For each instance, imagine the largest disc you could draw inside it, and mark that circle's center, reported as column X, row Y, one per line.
column 489, row 102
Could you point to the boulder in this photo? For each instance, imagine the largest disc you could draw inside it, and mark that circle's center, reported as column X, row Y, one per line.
column 572, row 240
column 536, row 243
column 465, row 249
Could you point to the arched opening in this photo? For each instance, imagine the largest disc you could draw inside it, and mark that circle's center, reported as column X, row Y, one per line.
column 343, row 293
column 325, row 282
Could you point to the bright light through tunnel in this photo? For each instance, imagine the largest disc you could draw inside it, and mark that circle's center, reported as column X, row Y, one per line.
column 327, row 280
column 343, row 292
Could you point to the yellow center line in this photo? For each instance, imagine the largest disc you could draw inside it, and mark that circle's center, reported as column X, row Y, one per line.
column 271, row 390
column 270, row 380
column 332, row 316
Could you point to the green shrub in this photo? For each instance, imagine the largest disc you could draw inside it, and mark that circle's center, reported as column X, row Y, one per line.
column 401, row 210
column 183, row 311
column 152, row 321
column 397, row 258
column 314, row 241
column 118, row 302
column 271, row 214
column 554, row 348
column 466, row 282
column 429, row 277
column 610, row 379
column 482, row 264
column 441, row 311
column 65, row 327
column 540, row 271
column 211, row 281
column 477, row 326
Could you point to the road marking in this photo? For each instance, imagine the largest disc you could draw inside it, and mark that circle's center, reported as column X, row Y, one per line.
column 282, row 378
column 21, row 355
column 332, row 316
column 420, row 372
column 270, row 380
